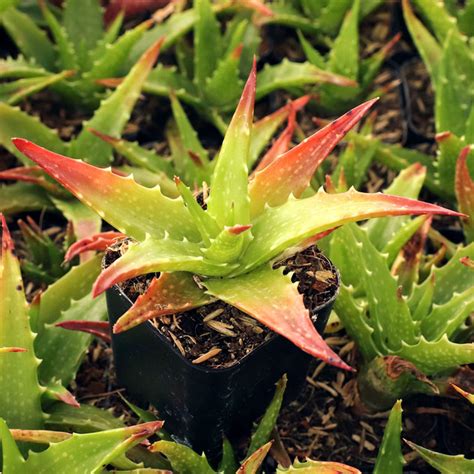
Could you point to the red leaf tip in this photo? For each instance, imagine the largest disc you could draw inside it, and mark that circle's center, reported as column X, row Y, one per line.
column 238, row 229
column 7, row 242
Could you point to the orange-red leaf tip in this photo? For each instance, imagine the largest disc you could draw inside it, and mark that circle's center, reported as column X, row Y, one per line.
column 103, row 136
column 7, row 242
column 238, row 229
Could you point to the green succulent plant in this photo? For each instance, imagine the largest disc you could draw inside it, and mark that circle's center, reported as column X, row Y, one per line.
column 34, row 190
column 230, row 245
column 344, row 59
column 35, row 376
column 79, row 54
column 210, row 79
column 405, row 314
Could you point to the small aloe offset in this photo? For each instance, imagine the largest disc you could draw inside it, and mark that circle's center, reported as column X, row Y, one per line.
column 80, row 52
column 231, row 245
column 403, row 311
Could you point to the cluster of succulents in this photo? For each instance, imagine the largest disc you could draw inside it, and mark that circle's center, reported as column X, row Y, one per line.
column 197, row 224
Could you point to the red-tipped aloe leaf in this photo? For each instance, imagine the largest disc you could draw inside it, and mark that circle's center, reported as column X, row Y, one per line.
column 285, row 226
column 11, row 349
column 31, row 174
column 128, row 206
column 271, row 298
column 281, row 144
column 18, row 373
column 228, row 202
column 98, row 329
column 168, row 294
column 468, row 396
column 155, row 255
column 98, row 242
column 464, row 187
column 55, row 391
column 252, row 464
column 292, row 172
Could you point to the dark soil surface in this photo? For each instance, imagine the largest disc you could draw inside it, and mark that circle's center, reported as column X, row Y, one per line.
column 219, row 335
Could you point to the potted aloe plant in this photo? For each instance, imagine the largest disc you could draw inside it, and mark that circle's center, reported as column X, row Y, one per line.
column 243, row 251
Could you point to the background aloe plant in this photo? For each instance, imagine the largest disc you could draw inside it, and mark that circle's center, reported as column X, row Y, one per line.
column 81, row 45
column 35, row 190
column 247, row 225
column 405, row 314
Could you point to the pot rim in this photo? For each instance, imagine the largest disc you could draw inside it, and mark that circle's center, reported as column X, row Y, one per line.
column 244, row 360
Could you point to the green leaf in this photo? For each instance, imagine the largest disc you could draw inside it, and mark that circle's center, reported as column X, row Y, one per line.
column 21, row 197
column 182, row 458
column 207, row 42
column 30, row 39
column 228, row 464
column 81, row 452
column 317, row 467
column 229, row 204
column 437, row 17
column 20, row 392
column 62, row 351
column 20, row 67
column 264, row 429
column 312, row 54
column 389, row 458
column 16, row 123
column 115, row 198
column 287, row 75
column 444, row 463
column 84, row 26
column 113, row 113
column 272, row 299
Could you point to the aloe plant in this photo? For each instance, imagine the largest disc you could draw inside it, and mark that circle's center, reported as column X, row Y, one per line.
column 41, row 192
column 79, row 44
column 47, row 358
column 231, row 244
column 344, row 59
column 210, row 79
column 85, row 453
column 404, row 313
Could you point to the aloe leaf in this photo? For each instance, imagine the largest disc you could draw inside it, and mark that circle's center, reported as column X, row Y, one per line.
column 114, row 197
column 448, row 354
column 188, row 134
column 74, row 285
column 98, row 329
column 317, row 467
column 426, row 44
column 389, row 313
column 14, row 122
column 98, row 242
column 390, row 457
column 229, row 205
column 14, row 92
column 30, row 39
column 438, row 18
column 448, row 317
column 114, row 112
column 159, row 255
column 271, row 298
column 20, row 197
column 294, row 170
column 83, row 23
column 182, row 458
column 312, row 54
column 34, row 175
column 288, row 16
column 264, row 429
column 66, row 53
column 62, row 351
column 228, row 245
column 110, row 62
column 444, row 463
column 278, row 228
column 354, row 318
column 20, row 392
column 206, row 33
column 468, row 396
column 287, row 75
column 252, row 464
column 265, row 128
column 228, row 463
column 453, row 100
column 19, row 67
column 464, row 187
column 56, row 392
column 87, row 452
column 223, row 87
column 407, row 184
column 169, row 293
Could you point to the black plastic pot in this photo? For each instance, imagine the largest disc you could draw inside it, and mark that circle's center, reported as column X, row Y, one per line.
column 200, row 404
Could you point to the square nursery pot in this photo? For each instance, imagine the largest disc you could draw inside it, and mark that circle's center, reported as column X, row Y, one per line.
column 200, row 404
